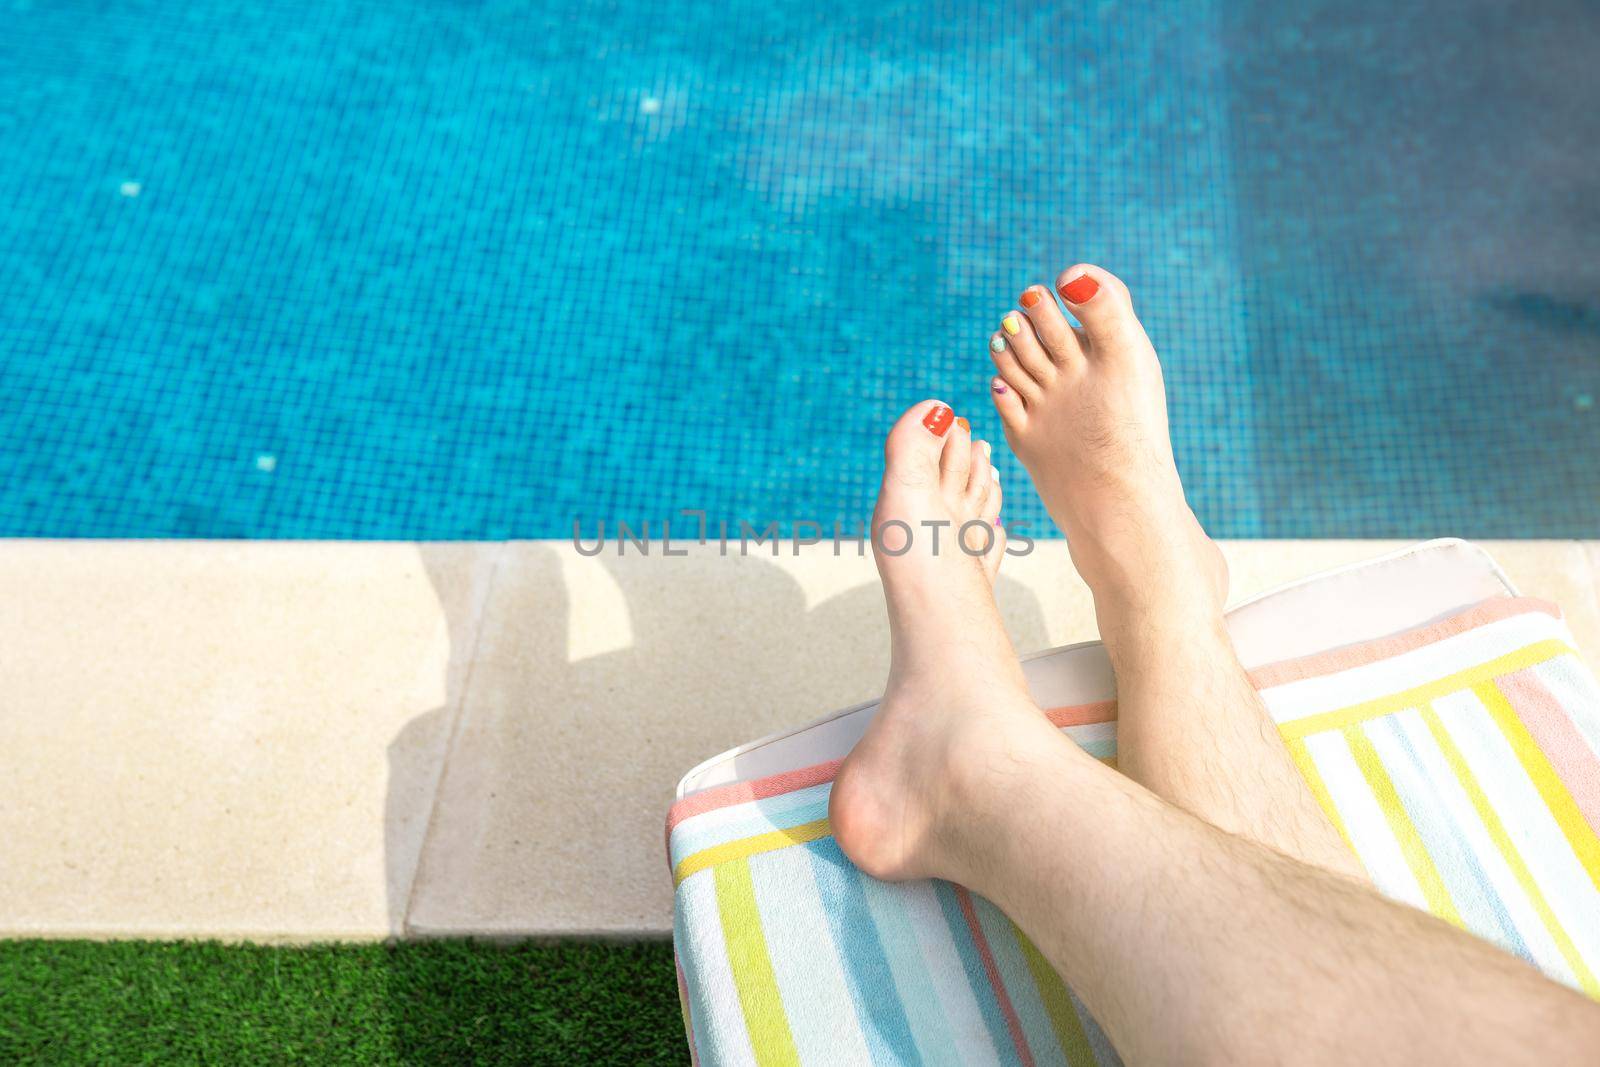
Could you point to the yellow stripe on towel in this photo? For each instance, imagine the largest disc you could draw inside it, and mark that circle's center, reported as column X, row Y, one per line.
column 1556, row 797
column 1508, row 850
column 746, row 847
column 753, row 976
column 1057, row 1004
column 1338, row 719
column 1405, row 831
column 1319, row 788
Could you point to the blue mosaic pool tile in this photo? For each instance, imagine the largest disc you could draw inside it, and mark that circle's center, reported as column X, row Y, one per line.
column 362, row 270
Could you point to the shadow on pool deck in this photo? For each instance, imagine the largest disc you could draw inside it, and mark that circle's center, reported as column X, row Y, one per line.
column 560, row 767
column 595, row 683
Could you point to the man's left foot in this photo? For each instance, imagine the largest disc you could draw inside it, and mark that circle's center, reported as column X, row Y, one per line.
column 956, row 711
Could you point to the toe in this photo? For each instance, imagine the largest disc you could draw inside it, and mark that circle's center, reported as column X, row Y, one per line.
column 1022, row 341
column 955, row 462
column 990, row 513
column 977, row 476
column 989, row 510
column 916, row 441
column 1008, row 402
column 1101, row 302
column 1054, row 332
column 1011, row 372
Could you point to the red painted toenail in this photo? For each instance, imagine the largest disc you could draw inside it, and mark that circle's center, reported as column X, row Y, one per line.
column 1080, row 289
column 1029, row 298
column 938, row 420
column 964, row 424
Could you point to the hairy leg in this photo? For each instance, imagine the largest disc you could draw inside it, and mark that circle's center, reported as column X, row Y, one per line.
column 1085, row 410
column 1191, row 728
column 1190, row 944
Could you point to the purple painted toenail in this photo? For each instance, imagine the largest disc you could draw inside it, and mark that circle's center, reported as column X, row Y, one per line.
column 998, row 387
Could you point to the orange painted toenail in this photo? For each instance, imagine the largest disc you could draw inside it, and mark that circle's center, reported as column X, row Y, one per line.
column 938, row 420
column 1012, row 323
column 1080, row 289
column 964, row 424
column 1029, row 298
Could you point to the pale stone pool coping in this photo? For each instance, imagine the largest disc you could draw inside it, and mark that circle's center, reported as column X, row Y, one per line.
column 295, row 741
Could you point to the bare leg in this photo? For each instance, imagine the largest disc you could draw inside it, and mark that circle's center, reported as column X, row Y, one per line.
column 1193, row 945
column 1086, row 412
column 1189, row 944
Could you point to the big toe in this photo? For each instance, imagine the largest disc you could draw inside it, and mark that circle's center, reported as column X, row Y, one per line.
column 1099, row 300
column 915, row 443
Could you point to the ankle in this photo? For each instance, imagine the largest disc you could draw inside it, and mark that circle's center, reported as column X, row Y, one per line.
column 1162, row 623
column 966, row 659
column 984, row 786
column 1167, row 590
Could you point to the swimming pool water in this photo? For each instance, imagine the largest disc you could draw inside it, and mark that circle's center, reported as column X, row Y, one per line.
column 475, row 270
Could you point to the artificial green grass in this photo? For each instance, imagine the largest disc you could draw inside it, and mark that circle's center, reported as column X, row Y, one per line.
column 429, row 1002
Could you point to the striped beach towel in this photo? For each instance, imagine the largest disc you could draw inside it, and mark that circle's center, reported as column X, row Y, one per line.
column 1461, row 761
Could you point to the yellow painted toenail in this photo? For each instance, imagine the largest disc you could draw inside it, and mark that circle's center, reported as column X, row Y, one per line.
column 1012, row 322
column 997, row 344
column 987, row 450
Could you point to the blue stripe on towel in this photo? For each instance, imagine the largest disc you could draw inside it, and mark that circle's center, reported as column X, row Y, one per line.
column 856, row 935
column 973, row 966
column 1476, row 898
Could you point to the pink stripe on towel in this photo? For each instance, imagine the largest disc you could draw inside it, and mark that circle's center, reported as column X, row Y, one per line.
column 986, row 955
column 1574, row 761
column 773, row 785
column 1083, row 714
column 1342, row 659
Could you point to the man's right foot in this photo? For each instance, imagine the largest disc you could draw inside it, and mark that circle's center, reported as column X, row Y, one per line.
column 1086, row 412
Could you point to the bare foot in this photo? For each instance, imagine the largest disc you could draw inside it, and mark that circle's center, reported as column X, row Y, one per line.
column 1086, row 412
column 956, row 691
